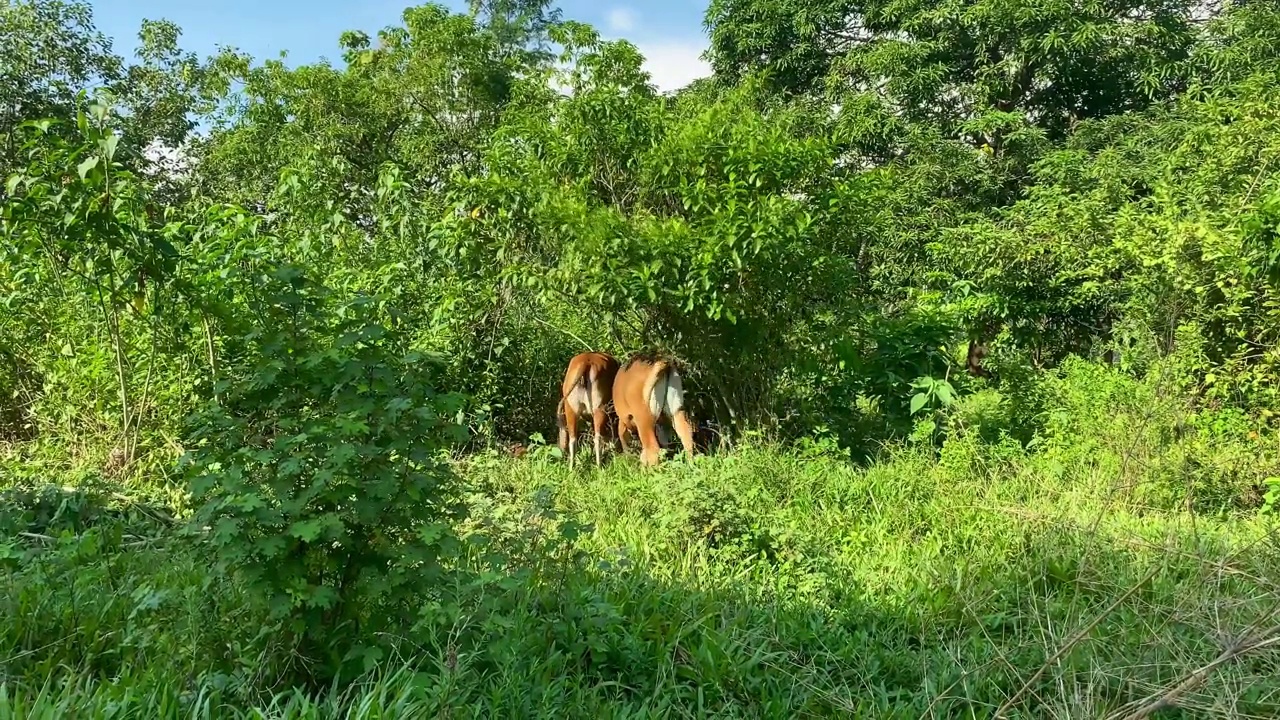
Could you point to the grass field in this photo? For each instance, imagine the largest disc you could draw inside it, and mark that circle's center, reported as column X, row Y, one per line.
column 1096, row 574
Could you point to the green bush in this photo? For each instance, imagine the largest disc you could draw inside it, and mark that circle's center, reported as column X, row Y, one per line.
column 318, row 471
column 1154, row 446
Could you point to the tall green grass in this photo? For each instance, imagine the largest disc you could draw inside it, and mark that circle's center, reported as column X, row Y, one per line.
column 1113, row 568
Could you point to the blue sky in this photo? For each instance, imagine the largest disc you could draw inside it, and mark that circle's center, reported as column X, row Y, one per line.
column 668, row 32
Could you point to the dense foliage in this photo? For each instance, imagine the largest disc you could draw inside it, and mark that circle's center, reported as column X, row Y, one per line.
column 809, row 252
column 973, row 236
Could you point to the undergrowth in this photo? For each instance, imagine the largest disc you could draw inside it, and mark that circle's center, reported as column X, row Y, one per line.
column 1064, row 580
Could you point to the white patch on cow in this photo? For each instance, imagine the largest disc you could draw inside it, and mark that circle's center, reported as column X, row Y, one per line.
column 579, row 399
column 674, row 394
column 667, row 397
column 597, row 395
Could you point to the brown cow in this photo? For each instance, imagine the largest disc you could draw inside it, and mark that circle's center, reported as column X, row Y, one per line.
column 587, row 389
column 646, row 390
column 977, row 353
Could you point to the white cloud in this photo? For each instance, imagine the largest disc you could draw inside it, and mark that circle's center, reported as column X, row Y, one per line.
column 672, row 62
column 676, row 63
column 622, row 19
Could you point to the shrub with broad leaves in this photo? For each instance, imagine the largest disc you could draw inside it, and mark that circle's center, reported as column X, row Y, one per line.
column 319, row 471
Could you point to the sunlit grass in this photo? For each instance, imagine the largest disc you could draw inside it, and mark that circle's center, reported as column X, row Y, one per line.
column 757, row 584
column 1069, row 580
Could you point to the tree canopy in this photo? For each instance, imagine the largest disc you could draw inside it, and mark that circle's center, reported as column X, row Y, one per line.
column 861, row 190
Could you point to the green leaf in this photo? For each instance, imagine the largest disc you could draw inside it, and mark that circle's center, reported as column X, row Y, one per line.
column 323, row 597
column 432, row 533
column 918, row 401
column 306, row 530
column 946, row 394
column 271, row 547
column 166, row 248
column 372, row 656
column 86, row 165
column 109, row 146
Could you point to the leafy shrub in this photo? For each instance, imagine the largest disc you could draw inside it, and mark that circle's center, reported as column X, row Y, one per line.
column 984, row 413
column 1155, row 447
column 1222, row 463
column 318, row 471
